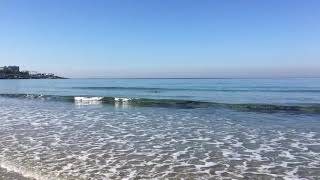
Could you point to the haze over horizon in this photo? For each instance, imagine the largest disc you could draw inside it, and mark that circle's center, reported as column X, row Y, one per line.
column 162, row 38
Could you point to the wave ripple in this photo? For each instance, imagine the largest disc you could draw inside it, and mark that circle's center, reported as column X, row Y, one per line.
column 57, row 140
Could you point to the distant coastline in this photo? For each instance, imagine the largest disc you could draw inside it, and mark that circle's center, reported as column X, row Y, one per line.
column 13, row 72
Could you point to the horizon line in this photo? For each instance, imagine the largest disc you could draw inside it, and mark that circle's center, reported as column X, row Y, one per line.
column 298, row 77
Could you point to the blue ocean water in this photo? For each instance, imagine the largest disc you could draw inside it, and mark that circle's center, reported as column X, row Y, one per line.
column 43, row 136
column 266, row 91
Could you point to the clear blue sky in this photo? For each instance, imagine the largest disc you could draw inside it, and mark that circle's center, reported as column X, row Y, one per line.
column 162, row 38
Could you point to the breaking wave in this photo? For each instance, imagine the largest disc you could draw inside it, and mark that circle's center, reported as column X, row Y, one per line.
column 173, row 103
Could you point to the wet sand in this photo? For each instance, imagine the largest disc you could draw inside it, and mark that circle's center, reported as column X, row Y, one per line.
column 10, row 175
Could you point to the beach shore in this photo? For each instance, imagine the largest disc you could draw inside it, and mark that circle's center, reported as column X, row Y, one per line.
column 10, row 175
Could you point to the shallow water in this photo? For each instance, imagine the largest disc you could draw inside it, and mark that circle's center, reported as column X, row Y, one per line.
column 62, row 140
column 224, row 128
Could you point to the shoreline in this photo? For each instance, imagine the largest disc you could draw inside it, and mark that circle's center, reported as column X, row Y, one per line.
column 12, row 175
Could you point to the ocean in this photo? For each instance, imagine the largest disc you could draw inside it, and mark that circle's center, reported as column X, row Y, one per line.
column 160, row 129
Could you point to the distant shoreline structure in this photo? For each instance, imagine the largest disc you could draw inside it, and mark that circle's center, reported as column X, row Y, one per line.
column 13, row 72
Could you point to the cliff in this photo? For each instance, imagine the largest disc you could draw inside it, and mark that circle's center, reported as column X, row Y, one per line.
column 13, row 72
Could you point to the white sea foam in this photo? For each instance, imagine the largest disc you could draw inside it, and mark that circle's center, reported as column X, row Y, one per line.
column 84, row 99
column 117, row 99
column 88, row 100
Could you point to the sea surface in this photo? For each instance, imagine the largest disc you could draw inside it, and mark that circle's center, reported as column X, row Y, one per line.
column 160, row 129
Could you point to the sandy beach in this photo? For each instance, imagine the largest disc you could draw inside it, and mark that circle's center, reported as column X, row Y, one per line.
column 9, row 175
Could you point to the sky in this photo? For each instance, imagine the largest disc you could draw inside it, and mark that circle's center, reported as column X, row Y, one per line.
column 162, row 38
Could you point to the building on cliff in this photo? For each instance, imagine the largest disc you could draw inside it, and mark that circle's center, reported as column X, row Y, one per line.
column 13, row 72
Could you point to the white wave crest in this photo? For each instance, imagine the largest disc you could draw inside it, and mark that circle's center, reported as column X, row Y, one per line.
column 122, row 99
column 88, row 100
column 85, row 99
